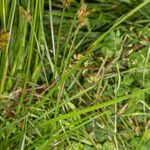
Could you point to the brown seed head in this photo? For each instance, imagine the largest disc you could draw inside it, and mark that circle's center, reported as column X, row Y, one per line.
column 82, row 14
column 66, row 3
column 3, row 39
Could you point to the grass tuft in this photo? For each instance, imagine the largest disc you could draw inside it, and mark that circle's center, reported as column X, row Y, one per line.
column 74, row 75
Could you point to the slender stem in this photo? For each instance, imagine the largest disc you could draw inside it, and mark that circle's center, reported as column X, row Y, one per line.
column 116, row 116
column 4, row 15
column 58, row 44
column 52, row 30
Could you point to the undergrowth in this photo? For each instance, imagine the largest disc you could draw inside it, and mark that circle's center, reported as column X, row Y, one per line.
column 74, row 75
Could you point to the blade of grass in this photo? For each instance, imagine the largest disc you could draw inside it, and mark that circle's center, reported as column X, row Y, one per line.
column 52, row 30
column 92, row 108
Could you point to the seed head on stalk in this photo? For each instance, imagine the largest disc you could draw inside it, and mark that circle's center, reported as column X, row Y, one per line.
column 3, row 39
column 67, row 3
column 82, row 14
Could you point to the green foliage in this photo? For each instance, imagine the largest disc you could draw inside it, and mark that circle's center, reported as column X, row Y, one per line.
column 69, row 86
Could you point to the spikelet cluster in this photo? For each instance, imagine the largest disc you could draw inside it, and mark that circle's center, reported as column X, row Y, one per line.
column 82, row 14
column 67, row 3
column 3, row 39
